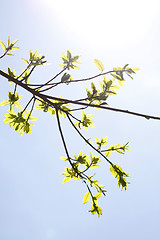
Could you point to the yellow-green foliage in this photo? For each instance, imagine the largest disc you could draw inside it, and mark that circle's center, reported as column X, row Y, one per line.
column 81, row 165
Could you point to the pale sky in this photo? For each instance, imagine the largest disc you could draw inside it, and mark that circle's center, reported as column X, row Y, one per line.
column 102, row 23
column 34, row 204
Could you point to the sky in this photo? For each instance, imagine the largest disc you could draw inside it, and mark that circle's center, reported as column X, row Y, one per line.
column 34, row 204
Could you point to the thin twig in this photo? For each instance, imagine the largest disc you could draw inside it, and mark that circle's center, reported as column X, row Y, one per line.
column 78, row 80
column 28, row 104
column 77, row 109
column 87, row 140
column 29, row 72
column 64, row 144
column 51, row 79
column 4, row 54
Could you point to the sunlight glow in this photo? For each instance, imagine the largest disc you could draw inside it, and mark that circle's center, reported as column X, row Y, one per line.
column 110, row 24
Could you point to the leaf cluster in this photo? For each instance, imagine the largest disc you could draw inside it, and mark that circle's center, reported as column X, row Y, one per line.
column 85, row 121
column 99, row 96
column 119, row 73
column 19, row 121
column 35, row 59
column 12, row 101
column 83, row 161
column 120, row 149
column 47, row 107
column 9, row 47
column 118, row 173
column 70, row 62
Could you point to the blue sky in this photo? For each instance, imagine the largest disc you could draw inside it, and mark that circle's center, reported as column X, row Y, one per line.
column 34, row 203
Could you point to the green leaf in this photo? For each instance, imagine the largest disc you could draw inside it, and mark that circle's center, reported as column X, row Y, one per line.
column 33, row 118
column 86, row 122
column 11, row 46
column 121, row 83
column 69, row 61
column 63, row 158
column 68, row 54
column 3, row 103
column 66, row 179
column 8, row 40
column 3, row 45
column 74, row 67
column 95, row 208
column 18, row 105
column 66, row 77
column 118, row 173
column 28, row 114
column 86, row 197
column 97, row 195
column 135, row 69
column 99, row 64
column 24, row 60
column 94, row 166
column 15, row 48
column 14, row 41
column 108, row 153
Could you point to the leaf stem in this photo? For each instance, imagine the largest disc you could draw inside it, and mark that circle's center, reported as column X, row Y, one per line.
column 45, row 84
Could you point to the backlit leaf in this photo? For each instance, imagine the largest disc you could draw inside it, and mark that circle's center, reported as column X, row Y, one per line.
column 121, row 83
column 66, row 179
column 3, row 103
column 86, row 197
column 99, row 64
column 3, row 45
column 14, row 41
column 135, row 68
column 24, row 60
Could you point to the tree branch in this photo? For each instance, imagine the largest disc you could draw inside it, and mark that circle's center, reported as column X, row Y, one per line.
column 47, row 97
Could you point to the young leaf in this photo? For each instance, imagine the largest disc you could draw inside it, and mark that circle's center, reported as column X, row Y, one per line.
column 121, row 83
column 118, row 173
column 66, row 179
column 14, row 41
column 86, row 197
column 135, row 69
column 3, row 103
column 97, row 195
column 33, row 118
column 24, row 60
column 99, row 64
column 3, row 45
column 108, row 153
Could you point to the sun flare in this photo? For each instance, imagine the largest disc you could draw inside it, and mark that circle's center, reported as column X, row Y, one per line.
column 110, row 24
